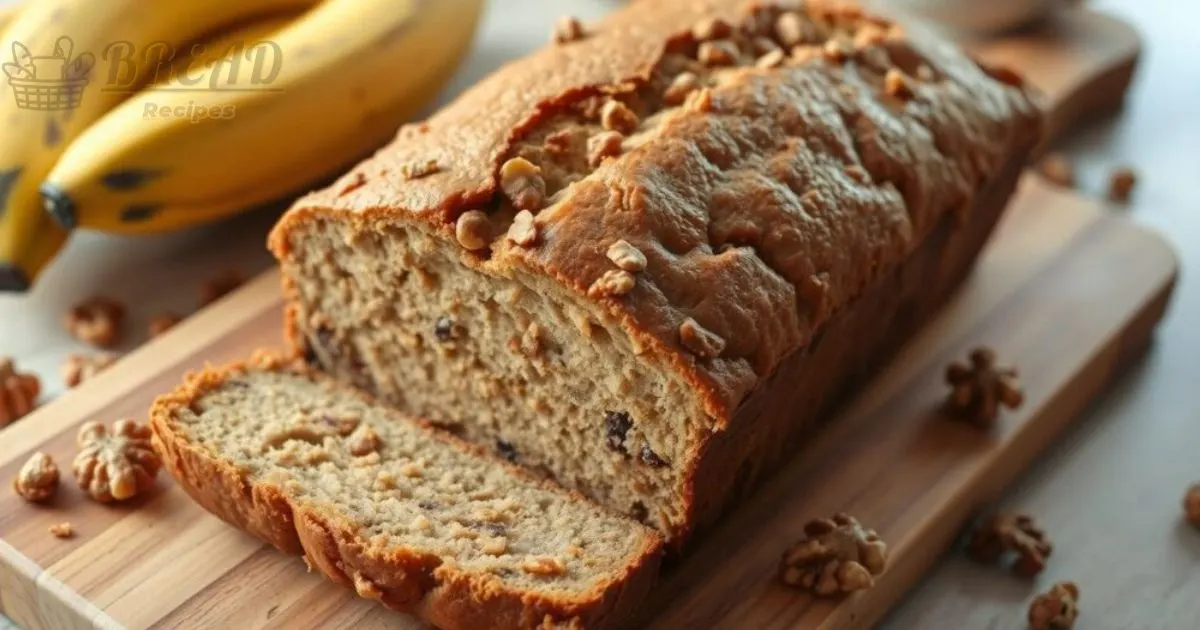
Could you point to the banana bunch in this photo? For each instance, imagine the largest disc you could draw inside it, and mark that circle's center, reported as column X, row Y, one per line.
column 142, row 117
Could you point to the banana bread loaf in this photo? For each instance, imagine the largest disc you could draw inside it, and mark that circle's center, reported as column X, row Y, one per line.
column 396, row 510
column 646, row 259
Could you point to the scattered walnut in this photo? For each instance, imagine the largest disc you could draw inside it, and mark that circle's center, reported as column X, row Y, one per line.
column 603, row 146
column 700, row 101
column 62, row 530
column 897, row 84
column 979, row 389
column 1191, row 504
column 522, row 183
column 81, row 367
column 568, row 29
column 792, row 30
column 712, row 28
column 616, row 116
column 835, row 556
column 1121, row 183
column 523, row 230
column 97, row 321
column 701, row 341
column 773, row 59
column 838, row 50
column 1058, row 170
column 473, row 230
column 1056, row 609
column 544, row 566
column 679, row 89
column 18, row 392
column 531, row 341
column 614, row 282
column 420, row 169
column 1016, row 533
column 363, row 442
column 718, row 53
column 38, row 478
column 161, row 323
column 626, row 256
column 220, row 286
column 116, row 465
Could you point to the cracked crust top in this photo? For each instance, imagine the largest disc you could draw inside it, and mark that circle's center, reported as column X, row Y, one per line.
column 763, row 203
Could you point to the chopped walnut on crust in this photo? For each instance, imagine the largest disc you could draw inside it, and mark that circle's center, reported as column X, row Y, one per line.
column 1058, row 170
column 523, row 184
column 62, row 530
column 772, row 59
column 712, row 28
column 96, row 321
column 626, row 256
column 1191, row 504
column 115, row 465
column 1121, row 183
column 616, row 116
column 38, row 478
column 1056, row 609
column 604, row 145
column 1012, row 533
column 473, row 230
column 568, row 29
column 523, row 230
column 980, row 388
column 718, row 53
column 363, row 442
column 793, row 30
column 81, row 367
column 18, row 392
column 614, row 282
column 161, row 323
column 420, row 169
column 681, row 86
column 220, row 286
column 836, row 556
column 699, row 340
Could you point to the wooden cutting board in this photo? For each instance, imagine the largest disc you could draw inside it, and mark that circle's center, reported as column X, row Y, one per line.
column 1066, row 291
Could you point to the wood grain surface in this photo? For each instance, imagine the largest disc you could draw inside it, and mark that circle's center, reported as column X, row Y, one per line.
column 1068, row 294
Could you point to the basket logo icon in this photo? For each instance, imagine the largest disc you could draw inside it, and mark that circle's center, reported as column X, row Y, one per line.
column 50, row 83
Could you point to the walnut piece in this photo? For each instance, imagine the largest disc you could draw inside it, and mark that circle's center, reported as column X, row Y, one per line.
column 701, row 341
column 81, row 367
column 18, row 392
column 161, row 323
column 897, row 84
column 363, row 442
column 616, row 116
column 523, row 230
column 62, row 530
column 220, row 286
column 614, row 282
column 420, row 169
column 980, row 388
column 718, row 53
column 544, row 566
column 836, row 556
column 1058, row 170
column 1121, row 183
column 473, row 230
column 568, row 29
column 96, row 321
column 712, row 28
column 772, row 59
column 1056, row 609
column 38, row 478
column 604, row 145
column 115, row 465
column 626, row 256
column 679, row 89
column 1191, row 504
column 523, row 184
column 793, row 30
column 1012, row 533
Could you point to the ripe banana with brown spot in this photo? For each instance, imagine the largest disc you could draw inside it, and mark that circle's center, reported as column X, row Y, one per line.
column 72, row 62
column 352, row 71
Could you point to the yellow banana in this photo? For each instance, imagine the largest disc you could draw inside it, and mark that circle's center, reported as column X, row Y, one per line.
column 72, row 62
column 352, row 71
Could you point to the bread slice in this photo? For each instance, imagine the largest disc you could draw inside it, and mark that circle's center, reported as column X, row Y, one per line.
column 395, row 509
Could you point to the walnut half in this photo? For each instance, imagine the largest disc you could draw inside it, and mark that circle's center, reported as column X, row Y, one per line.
column 1056, row 609
column 981, row 387
column 18, row 392
column 38, row 478
column 1015, row 533
column 836, row 556
column 115, row 465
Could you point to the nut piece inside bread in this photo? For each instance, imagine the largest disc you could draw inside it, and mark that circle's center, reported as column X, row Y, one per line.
column 392, row 507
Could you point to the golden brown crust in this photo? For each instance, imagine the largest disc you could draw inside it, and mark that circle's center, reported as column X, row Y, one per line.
column 402, row 579
column 763, row 215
